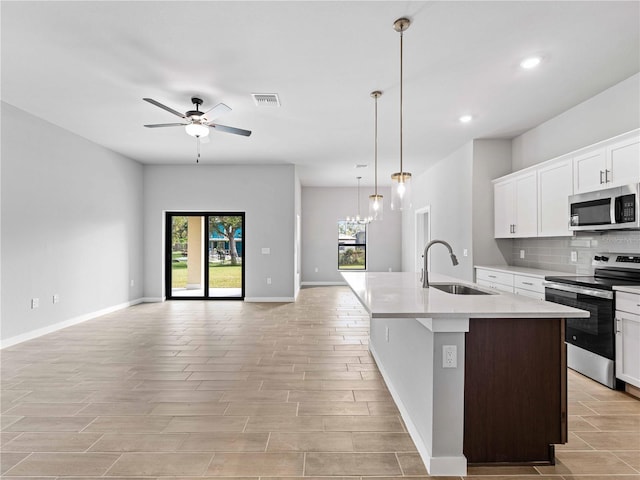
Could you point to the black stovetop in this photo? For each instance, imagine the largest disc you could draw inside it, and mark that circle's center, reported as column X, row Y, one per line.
column 600, row 283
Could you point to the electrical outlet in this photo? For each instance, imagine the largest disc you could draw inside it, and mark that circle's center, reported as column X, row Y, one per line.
column 268, row 280
column 35, row 303
column 449, row 356
column 132, row 282
column 266, row 251
column 316, row 269
column 574, row 256
column 521, row 253
column 56, row 298
column 386, row 333
column 465, row 253
column 390, row 269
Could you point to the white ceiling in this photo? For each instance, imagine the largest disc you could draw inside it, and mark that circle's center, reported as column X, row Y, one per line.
column 86, row 66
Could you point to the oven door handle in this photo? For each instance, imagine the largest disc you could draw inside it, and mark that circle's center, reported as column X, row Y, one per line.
column 592, row 292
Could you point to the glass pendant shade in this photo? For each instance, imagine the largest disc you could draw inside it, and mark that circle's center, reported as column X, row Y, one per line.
column 376, row 207
column 401, row 191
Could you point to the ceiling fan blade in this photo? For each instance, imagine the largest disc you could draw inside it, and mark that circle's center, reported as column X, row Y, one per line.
column 164, row 107
column 157, row 125
column 217, row 110
column 224, row 128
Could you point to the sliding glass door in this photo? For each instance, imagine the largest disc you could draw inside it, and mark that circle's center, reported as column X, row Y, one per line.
column 204, row 255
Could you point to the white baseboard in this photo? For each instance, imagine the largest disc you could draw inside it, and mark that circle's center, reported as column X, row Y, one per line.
column 436, row 466
column 152, row 299
column 322, row 284
column 23, row 337
column 270, row 299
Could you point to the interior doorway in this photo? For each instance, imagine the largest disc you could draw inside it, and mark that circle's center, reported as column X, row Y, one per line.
column 423, row 234
column 204, row 255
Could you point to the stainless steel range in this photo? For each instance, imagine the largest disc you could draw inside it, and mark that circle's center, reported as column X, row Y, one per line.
column 591, row 341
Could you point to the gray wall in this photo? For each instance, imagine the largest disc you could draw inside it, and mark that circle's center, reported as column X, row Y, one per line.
column 71, row 225
column 491, row 159
column 322, row 207
column 265, row 193
column 610, row 113
column 459, row 193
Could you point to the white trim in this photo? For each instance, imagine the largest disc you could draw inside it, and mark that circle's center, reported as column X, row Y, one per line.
column 454, row 466
column 419, row 216
column 269, row 299
column 320, row 284
column 23, row 337
column 153, row 299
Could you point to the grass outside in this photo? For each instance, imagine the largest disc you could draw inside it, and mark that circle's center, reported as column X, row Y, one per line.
column 351, row 267
column 220, row 275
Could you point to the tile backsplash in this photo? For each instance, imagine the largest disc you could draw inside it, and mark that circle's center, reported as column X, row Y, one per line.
column 555, row 253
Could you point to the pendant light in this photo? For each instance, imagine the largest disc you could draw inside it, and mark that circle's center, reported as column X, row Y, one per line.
column 401, row 190
column 358, row 219
column 376, row 206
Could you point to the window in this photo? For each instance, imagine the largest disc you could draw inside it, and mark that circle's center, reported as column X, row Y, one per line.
column 352, row 246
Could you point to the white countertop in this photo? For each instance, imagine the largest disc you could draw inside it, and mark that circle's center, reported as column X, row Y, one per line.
column 400, row 295
column 533, row 272
column 628, row 289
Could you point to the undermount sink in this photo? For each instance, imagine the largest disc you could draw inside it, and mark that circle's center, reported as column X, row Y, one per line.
column 458, row 289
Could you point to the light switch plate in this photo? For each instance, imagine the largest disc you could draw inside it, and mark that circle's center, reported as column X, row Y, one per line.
column 266, row 251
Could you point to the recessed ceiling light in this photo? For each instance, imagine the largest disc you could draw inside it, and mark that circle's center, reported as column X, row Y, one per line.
column 531, row 62
column 465, row 118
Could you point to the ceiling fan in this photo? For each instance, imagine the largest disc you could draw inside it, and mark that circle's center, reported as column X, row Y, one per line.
column 198, row 123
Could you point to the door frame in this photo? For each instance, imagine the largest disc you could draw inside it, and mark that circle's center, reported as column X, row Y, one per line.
column 205, row 253
column 422, row 228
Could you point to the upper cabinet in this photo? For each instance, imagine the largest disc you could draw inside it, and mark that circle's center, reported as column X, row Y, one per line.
column 612, row 165
column 555, row 185
column 534, row 202
column 515, row 206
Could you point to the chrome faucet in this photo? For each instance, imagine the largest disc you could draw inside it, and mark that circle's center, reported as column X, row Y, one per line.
column 425, row 269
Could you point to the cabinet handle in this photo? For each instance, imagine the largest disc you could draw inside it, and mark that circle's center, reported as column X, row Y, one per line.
column 492, row 276
column 601, row 173
column 527, row 283
column 514, row 228
column 606, row 176
column 618, row 326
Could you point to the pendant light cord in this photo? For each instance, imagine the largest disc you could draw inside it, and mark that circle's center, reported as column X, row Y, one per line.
column 376, row 150
column 401, row 170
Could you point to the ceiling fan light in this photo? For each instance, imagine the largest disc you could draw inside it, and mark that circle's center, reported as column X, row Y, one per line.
column 197, row 130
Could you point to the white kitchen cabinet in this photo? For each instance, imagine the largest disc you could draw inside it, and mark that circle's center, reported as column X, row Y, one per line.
column 623, row 159
column 628, row 338
column 515, row 206
column 529, row 285
column 555, row 185
column 610, row 165
column 502, row 281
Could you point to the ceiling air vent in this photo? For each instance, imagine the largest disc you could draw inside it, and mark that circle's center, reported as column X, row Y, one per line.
column 266, row 99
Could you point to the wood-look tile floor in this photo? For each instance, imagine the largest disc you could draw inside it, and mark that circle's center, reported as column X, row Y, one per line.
column 244, row 390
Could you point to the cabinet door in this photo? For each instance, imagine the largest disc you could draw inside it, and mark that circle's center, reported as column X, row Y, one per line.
column 589, row 170
column 526, row 221
column 503, row 208
column 623, row 162
column 628, row 347
column 555, row 184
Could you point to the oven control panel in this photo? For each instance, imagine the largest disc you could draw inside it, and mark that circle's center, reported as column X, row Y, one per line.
column 621, row 260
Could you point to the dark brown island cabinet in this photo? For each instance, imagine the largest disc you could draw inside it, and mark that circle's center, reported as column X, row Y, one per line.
column 515, row 390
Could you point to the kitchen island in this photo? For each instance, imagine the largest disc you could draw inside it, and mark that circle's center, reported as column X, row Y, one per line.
column 478, row 379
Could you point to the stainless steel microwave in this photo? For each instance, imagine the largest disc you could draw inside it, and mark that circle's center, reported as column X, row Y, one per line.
column 610, row 209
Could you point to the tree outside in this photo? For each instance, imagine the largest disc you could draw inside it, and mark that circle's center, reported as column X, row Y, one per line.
column 228, row 226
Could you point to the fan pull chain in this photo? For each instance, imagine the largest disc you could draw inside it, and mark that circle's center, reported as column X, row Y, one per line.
column 198, row 149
